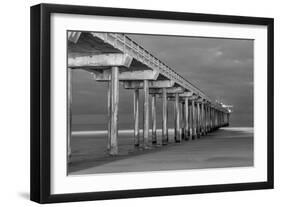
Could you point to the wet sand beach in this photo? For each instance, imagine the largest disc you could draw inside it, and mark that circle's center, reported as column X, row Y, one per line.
column 226, row 147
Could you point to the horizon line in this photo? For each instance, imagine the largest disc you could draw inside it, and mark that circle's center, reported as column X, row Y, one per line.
column 94, row 132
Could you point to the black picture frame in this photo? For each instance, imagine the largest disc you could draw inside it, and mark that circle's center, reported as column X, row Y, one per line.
column 41, row 96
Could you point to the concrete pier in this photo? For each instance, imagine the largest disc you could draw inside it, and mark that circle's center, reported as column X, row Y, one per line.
column 145, row 115
column 136, row 118
column 164, row 117
column 153, row 117
column 116, row 59
column 114, row 111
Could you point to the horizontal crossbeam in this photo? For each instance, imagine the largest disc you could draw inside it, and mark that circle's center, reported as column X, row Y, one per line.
column 172, row 90
column 151, row 84
column 100, row 61
column 125, row 75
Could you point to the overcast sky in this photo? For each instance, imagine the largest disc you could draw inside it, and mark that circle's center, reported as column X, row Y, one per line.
column 222, row 68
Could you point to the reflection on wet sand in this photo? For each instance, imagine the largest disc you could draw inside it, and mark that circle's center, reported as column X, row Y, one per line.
column 226, row 147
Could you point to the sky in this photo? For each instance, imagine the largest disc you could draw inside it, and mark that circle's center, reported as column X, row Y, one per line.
column 221, row 68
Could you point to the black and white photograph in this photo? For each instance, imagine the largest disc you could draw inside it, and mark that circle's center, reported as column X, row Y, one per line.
column 141, row 102
column 138, row 103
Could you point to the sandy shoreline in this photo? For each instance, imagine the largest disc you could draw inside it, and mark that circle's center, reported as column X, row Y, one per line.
column 227, row 147
column 131, row 131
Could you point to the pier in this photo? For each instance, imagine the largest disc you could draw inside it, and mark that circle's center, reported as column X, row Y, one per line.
column 120, row 62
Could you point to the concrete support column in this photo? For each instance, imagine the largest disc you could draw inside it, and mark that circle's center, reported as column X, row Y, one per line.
column 216, row 119
column 203, row 118
column 153, row 116
column 164, row 117
column 69, row 114
column 177, row 119
column 136, row 118
column 146, row 115
column 114, row 111
column 108, row 114
column 198, row 120
column 228, row 119
column 220, row 119
column 207, row 119
column 194, row 122
column 211, row 119
column 186, row 117
column 182, row 121
column 190, row 121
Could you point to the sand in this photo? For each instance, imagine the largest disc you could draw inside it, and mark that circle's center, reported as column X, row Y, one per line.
column 226, row 147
